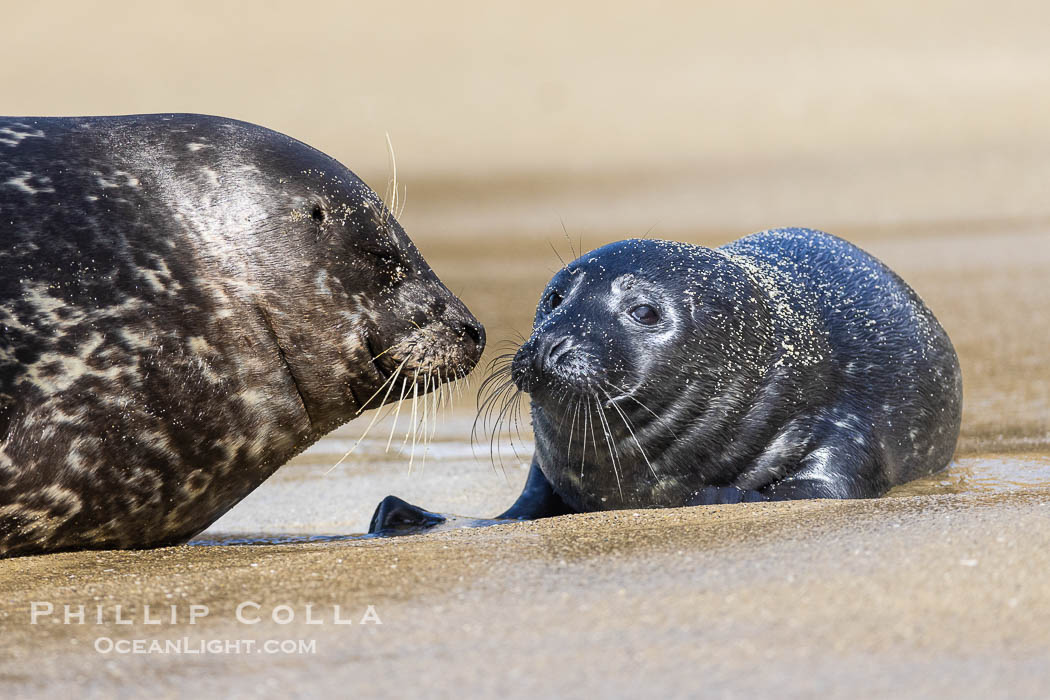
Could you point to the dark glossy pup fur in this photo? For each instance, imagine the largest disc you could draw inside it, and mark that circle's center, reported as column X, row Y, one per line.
column 788, row 364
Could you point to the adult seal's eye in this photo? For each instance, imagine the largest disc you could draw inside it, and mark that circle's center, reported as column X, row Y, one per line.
column 645, row 314
column 553, row 300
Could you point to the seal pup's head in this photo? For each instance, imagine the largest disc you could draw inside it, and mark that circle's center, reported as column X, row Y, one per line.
column 638, row 348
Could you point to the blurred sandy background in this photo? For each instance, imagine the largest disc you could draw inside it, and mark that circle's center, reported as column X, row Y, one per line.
column 921, row 131
column 918, row 130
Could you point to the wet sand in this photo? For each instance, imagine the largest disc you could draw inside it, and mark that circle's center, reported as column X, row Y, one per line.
column 916, row 132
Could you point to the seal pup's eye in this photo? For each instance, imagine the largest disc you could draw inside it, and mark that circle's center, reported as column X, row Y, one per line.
column 317, row 214
column 645, row 314
column 553, row 300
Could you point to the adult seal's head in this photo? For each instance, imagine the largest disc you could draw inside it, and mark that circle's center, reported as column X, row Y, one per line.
column 185, row 303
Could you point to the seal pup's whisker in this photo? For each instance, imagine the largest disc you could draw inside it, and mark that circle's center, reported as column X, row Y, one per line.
column 497, row 398
column 506, row 414
column 609, row 441
column 572, row 248
column 572, row 430
column 628, row 395
column 595, row 421
column 627, row 424
column 490, row 390
column 488, row 394
column 494, row 453
column 481, row 415
column 583, row 452
column 499, row 409
column 506, row 417
column 488, row 405
column 518, row 419
column 560, row 259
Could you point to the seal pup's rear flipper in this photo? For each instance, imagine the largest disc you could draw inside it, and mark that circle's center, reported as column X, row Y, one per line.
column 395, row 516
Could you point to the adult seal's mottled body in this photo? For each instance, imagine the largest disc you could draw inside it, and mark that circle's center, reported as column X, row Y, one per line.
column 788, row 364
column 185, row 303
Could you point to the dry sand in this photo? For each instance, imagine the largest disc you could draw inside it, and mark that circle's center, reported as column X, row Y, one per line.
column 918, row 132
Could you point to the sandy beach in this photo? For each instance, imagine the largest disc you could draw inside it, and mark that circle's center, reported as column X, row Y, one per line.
column 918, row 133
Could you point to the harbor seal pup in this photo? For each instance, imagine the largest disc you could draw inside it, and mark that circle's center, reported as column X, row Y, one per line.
column 186, row 302
column 788, row 364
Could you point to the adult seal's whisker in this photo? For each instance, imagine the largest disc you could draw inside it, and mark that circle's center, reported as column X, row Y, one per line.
column 389, row 383
column 397, row 412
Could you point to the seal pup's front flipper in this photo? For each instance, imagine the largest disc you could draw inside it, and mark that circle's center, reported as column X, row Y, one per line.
column 395, row 516
column 537, row 499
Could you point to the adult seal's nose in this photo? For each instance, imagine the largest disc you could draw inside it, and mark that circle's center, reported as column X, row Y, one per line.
column 473, row 334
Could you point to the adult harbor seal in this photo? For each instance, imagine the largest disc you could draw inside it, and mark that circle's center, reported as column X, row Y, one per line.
column 186, row 302
column 787, row 364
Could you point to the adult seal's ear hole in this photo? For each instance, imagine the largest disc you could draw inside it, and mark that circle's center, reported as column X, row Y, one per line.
column 214, row 334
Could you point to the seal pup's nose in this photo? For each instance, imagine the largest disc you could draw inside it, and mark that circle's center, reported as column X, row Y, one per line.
column 552, row 350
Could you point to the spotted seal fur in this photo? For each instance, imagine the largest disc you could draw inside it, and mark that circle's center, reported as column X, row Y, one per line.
column 788, row 364
column 186, row 302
